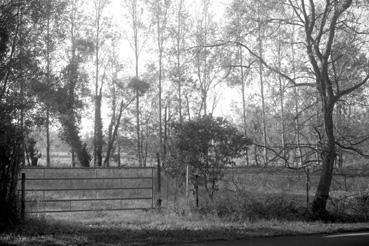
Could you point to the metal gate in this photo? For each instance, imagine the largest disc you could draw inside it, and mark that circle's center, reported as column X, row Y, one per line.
column 56, row 190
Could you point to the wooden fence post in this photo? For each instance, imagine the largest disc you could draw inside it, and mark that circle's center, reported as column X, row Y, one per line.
column 158, row 201
column 23, row 196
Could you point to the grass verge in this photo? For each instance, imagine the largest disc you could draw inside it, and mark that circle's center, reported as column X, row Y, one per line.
column 153, row 228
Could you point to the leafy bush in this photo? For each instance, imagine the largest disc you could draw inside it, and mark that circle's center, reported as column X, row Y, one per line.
column 345, row 209
column 207, row 145
column 10, row 158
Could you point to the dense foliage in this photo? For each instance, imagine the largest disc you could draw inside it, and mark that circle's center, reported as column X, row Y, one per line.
column 208, row 145
column 10, row 160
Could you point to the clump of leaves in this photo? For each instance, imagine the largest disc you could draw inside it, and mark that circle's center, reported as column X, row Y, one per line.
column 138, row 85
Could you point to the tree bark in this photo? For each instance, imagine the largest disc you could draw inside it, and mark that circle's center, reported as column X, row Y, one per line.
column 160, row 41
column 179, row 75
column 98, row 131
column 136, row 51
column 260, row 44
column 98, row 134
column 281, row 98
column 328, row 159
column 111, row 124
column 296, row 101
column 48, row 63
column 138, row 131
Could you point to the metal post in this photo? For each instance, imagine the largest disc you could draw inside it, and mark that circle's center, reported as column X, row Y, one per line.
column 158, row 201
column 23, row 196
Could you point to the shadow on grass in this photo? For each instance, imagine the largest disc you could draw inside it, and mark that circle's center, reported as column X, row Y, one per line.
column 45, row 232
column 153, row 228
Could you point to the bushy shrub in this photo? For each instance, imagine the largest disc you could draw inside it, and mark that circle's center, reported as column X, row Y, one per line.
column 10, row 158
column 251, row 207
column 208, row 145
column 360, row 206
column 349, row 207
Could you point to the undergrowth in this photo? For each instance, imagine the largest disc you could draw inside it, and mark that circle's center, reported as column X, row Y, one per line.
column 251, row 207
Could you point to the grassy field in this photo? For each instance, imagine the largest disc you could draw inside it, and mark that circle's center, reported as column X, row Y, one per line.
column 153, row 227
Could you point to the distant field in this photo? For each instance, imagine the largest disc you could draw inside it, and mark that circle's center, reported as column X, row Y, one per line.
column 281, row 180
column 64, row 159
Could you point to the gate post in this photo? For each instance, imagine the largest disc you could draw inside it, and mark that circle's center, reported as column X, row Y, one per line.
column 23, row 196
column 158, row 201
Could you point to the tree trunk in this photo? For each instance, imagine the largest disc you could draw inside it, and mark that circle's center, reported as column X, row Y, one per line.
column 205, row 78
column 260, row 44
column 98, row 131
column 48, row 84
column 179, row 75
column 339, row 129
column 114, row 134
column 188, row 107
column 281, row 91
column 118, row 154
column 138, row 132
column 256, row 155
column 98, row 135
column 73, row 158
column 328, row 159
column 318, row 120
column 296, row 96
column 47, row 137
column 160, row 50
column 165, row 130
column 111, row 126
column 136, row 51
column 21, row 92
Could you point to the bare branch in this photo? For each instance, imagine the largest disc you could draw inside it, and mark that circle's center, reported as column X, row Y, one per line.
column 276, row 70
column 338, row 11
column 351, row 89
column 358, row 151
column 295, row 11
column 323, row 22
